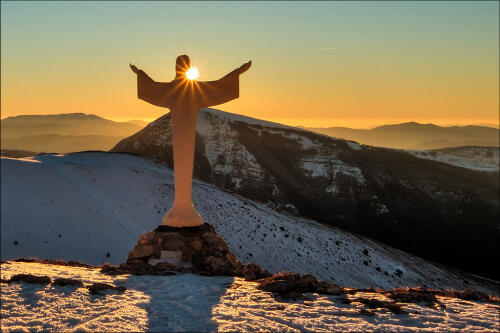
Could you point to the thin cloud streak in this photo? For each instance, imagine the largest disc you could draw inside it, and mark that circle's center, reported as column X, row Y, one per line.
column 331, row 48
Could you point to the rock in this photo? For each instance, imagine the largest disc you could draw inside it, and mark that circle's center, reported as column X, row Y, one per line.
column 196, row 245
column 95, row 288
column 470, row 295
column 146, row 238
column 110, row 269
column 374, row 303
column 68, row 282
column 367, row 312
column 329, row 288
column 28, row 278
column 411, row 295
column 293, row 283
column 254, row 272
column 135, row 261
column 289, row 282
column 171, row 243
column 144, row 251
column 421, row 294
column 217, row 242
column 74, row 263
column 165, row 266
column 218, row 266
column 196, row 250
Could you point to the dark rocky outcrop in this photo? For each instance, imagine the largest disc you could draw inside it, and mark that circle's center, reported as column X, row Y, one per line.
column 421, row 294
column 198, row 250
column 96, row 288
column 374, row 303
column 286, row 283
column 29, row 278
column 67, row 282
column 59, row 262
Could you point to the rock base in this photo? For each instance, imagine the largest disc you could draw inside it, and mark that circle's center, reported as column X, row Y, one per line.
column 198, row 250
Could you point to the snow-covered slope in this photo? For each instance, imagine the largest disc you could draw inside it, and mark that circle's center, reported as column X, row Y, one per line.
column 92, row 207
column 474, row 158
column 431, row 209
column 191, row 303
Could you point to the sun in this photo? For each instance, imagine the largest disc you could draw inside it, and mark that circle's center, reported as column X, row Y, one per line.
column 192, row 73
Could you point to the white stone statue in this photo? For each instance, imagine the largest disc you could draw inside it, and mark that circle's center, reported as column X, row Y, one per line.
column 184, row 96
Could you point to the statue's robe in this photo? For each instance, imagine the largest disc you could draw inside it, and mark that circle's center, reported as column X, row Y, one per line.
column 184, row 98
column 194, row 94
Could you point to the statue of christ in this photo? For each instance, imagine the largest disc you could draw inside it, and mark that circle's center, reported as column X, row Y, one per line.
column 184, row 96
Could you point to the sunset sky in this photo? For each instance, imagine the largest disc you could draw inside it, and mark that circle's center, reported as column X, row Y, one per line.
column 356, row 64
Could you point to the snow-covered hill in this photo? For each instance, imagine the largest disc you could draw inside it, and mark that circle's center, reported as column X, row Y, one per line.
column 474, row 158
column 191, row 303
column 92, row 206
column 435, row 210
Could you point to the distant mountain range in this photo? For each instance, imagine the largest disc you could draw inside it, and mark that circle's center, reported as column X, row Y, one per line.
column 55, row 143
column 71, row 132
column 64, row 133
column 413, row 135
column 426, row 207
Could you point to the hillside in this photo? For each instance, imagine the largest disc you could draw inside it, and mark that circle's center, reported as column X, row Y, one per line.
column 475, row 158
column 92, row 207
column 438, row 211
column 413, row 135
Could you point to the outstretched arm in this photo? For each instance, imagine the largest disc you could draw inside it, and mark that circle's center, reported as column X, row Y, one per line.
column 223, row 90
column 134, row 69
column 156, row 93
column 246, row 66
column 140, row 72
column 242, row 69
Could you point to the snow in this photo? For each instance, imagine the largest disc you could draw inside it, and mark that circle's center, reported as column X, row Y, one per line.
column 474, row 158
column 249, row 120
column 87, row 206
column 354, row 145
column 223, row 149
column 307, row 144
column 188, row 302
column 330, row 167
column 92, row 207
column 271, row 127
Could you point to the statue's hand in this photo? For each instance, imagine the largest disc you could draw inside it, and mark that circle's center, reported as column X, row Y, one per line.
column 134, row 69
column 245, row 67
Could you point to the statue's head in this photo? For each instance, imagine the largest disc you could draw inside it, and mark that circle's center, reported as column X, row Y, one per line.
column 182, row 64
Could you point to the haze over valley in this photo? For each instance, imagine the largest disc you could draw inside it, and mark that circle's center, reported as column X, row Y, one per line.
column 72, row 132
column 64, row 133
column 413, row 135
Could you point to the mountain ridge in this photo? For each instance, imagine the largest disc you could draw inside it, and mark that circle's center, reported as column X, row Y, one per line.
column 64, row 124
column 414, row 135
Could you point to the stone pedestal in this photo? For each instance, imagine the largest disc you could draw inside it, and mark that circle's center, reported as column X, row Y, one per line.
column 198, row 250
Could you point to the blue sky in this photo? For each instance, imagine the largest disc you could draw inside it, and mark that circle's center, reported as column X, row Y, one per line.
column 359, row 62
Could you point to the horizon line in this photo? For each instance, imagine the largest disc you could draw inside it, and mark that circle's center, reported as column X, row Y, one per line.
column 306, row 122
